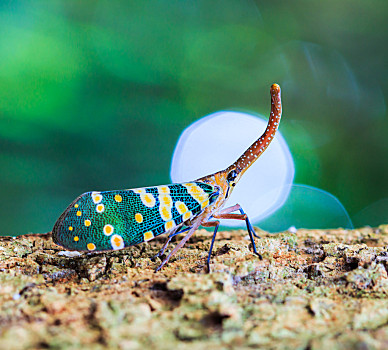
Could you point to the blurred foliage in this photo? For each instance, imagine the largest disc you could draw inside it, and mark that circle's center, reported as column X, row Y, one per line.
column 94, row 94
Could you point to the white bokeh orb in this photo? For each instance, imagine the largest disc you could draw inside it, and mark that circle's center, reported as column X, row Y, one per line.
column 214, row 142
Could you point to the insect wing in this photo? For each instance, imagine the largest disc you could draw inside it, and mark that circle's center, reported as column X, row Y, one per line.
column 117, row 219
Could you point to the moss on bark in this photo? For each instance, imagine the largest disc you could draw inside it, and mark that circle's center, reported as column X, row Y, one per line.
column 315, row 289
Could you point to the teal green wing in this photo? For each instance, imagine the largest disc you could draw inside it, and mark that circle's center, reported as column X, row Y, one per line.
column 117, row 219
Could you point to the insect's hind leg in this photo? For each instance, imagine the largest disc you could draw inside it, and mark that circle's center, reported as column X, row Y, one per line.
column 170, row 236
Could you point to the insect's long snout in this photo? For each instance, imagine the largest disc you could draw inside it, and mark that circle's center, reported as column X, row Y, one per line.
column 259, row 146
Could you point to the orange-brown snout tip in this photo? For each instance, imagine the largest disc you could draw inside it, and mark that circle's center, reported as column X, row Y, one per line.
column 275, row 89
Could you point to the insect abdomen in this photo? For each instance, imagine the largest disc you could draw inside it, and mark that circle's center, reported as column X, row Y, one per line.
column 117, row 219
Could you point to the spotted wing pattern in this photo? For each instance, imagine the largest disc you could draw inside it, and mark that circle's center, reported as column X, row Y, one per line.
column 117, row 219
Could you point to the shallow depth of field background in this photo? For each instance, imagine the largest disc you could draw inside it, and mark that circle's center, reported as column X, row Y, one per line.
column 94, row 94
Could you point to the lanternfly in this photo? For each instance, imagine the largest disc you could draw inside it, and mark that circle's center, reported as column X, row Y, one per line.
column 109, row 220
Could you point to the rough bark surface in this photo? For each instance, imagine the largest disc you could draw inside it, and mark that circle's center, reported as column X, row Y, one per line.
column 314, row 289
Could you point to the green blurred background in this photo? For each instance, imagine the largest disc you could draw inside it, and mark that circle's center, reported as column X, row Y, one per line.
column 94, row 94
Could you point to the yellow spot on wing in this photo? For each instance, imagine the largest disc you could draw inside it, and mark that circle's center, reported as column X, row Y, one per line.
column 76, row 238
column 108, row 230
column 79, row 213
column 118, row 198
column 169, row 225
column 147, row 199
column 187, row 216
column 100, row 208
column 205, row 204
column 165, row 213
column 91, row 246
column 163, row 190
column 87, row 223
column 97, row 197
column 148, row 235
column 181, row 207
column 201, row 197
column 139, row 218
column 196, row 192
column 76, row 206
column 165, row 200
column 117, row 242
column 70, row 228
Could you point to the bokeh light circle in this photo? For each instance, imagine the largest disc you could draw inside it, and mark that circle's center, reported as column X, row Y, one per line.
column 216, row 141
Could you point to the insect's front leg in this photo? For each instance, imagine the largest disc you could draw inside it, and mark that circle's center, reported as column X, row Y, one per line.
column 235, row 208
column 226, row 214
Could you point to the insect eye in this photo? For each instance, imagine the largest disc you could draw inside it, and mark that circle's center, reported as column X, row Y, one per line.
column 232, row 176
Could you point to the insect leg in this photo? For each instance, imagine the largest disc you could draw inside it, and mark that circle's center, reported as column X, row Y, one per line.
column 230, row 209
column 238, row 207
column 249, row 227
column 192, row 229
column 249, row 223
column 215, row 224
column 170, row 236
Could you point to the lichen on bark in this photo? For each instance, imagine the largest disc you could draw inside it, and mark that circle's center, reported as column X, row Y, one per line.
column 314, row 289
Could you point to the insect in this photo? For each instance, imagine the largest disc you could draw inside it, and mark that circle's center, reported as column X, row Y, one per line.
column 110, row 220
